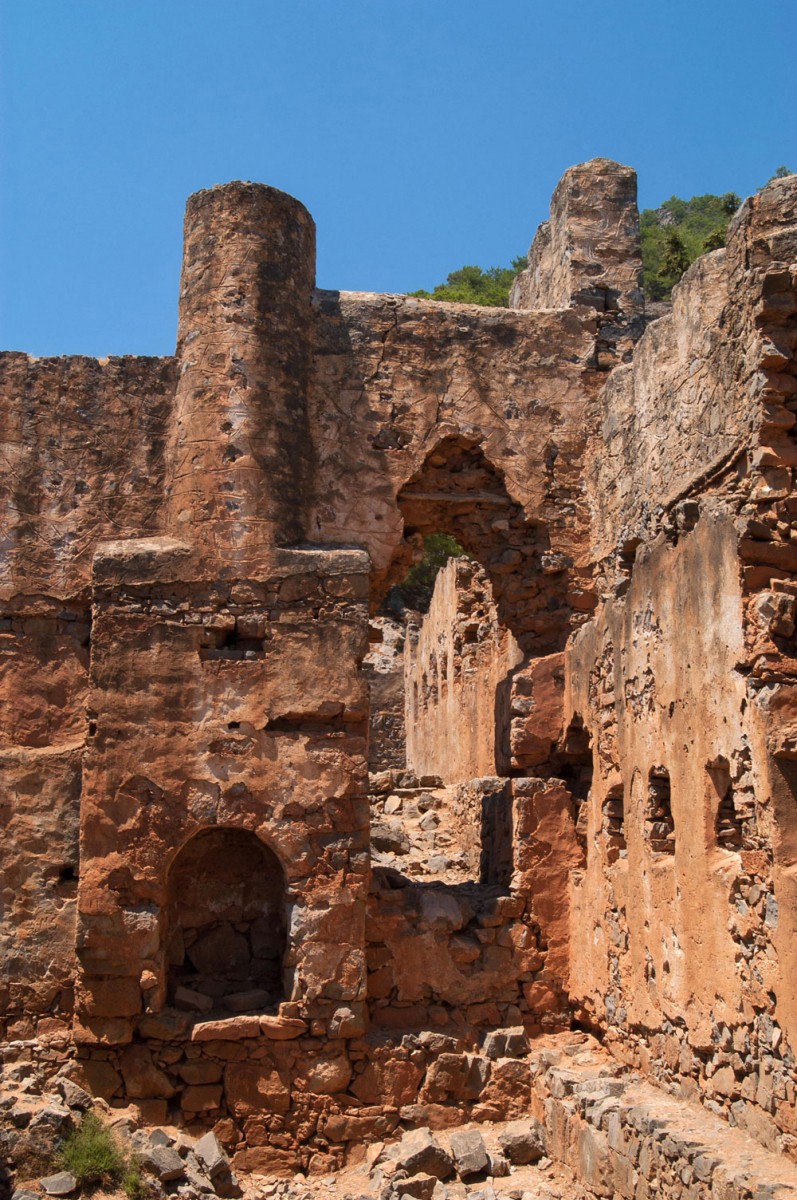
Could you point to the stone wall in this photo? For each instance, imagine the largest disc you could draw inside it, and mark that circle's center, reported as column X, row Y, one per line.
column 455, row 666
column 82, row 444
column 623, row 1138
column 684, row 683
column 705, row 392
column 383, row 667
column 481, row 953
column 625, row 791
column 221, row 693
column 399, row 381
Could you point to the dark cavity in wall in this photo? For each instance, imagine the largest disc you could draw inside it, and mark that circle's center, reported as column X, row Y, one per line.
column 659, row 823
column 574, row 764
column 226, row 923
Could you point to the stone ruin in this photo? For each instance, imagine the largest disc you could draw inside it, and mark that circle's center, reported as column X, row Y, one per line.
column 276, row 866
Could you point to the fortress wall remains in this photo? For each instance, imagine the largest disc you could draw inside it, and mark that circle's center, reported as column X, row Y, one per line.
column 683, row 931
column 171, row 670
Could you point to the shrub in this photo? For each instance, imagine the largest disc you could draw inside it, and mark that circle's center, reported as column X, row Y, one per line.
column 415, row 590
column 472, row 285
column 92, row 1154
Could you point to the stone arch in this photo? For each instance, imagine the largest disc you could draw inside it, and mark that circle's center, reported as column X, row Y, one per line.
column 225, row 922
column 459, row 491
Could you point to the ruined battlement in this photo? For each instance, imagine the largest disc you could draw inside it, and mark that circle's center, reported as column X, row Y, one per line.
column 224, row 899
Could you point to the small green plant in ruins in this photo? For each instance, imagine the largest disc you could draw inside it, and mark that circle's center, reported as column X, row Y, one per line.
column 415, row 590
column 92, row 1154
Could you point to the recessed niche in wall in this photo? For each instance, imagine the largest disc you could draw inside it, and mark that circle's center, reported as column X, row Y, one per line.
column 728, row 820
column 226, row 923
column 235, row 644
column 659, row 824
column 575, row 766
column 614, row 823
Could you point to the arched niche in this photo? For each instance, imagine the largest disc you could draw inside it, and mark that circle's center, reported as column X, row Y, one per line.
column 226, row 923
column 459, row 491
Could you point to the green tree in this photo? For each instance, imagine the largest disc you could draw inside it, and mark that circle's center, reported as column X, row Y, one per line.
column 472, row 285
column 415, row 590
column 674, row 260
column 698, row 225
column 715, row 240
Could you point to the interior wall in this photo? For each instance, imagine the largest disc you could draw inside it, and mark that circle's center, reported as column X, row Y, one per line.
column 454, row 666
column 675, row 952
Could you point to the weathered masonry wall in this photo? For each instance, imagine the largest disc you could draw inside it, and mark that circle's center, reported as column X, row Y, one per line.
column 602, row 714
column 455, row 665
column 197, row 685
column 81, row 444
column 683, row 681
column 82, row 449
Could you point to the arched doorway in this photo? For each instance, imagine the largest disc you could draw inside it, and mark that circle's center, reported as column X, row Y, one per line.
column 226, row 923
column 458, row 491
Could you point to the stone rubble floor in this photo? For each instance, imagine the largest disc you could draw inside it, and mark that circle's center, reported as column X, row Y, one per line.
column 544, row 1180
column 411, row 833
column 608, row 1131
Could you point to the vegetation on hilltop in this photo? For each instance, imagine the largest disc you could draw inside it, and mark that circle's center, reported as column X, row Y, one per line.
column 673, row 236
column 472, row 285
column 677, row 233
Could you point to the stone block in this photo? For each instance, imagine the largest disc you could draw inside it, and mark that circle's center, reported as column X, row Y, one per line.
column 328, row 1075
column 141, row 1077
column 74, row 1095
column 523, row 1142
column 252, row 1088
column 470, row 1152
column 229, row 1029
column 594, row 1158
column 199, row 1070
column 63, row 1183
column 201, row 1098
column 282, row 1029
column 192, row 1001
column 162, row 1162
column 420, row 1187
column 211, row 1155
column 349, row 1021
column 419, row 1152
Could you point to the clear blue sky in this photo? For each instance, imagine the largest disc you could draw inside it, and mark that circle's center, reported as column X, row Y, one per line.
column 421, row 134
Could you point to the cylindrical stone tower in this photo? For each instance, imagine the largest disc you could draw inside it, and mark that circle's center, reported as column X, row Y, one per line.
column 239, row 455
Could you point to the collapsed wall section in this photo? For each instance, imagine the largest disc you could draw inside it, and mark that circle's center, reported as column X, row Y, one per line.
column 589, row 255
column 395, row 378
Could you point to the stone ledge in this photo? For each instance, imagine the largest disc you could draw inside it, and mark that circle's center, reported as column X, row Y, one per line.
column 624, row 1138
column 234, row 1029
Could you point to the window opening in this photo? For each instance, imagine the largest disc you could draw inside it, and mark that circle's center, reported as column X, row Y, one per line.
column 614, row 823
column 728, row 822
column 659, row 824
